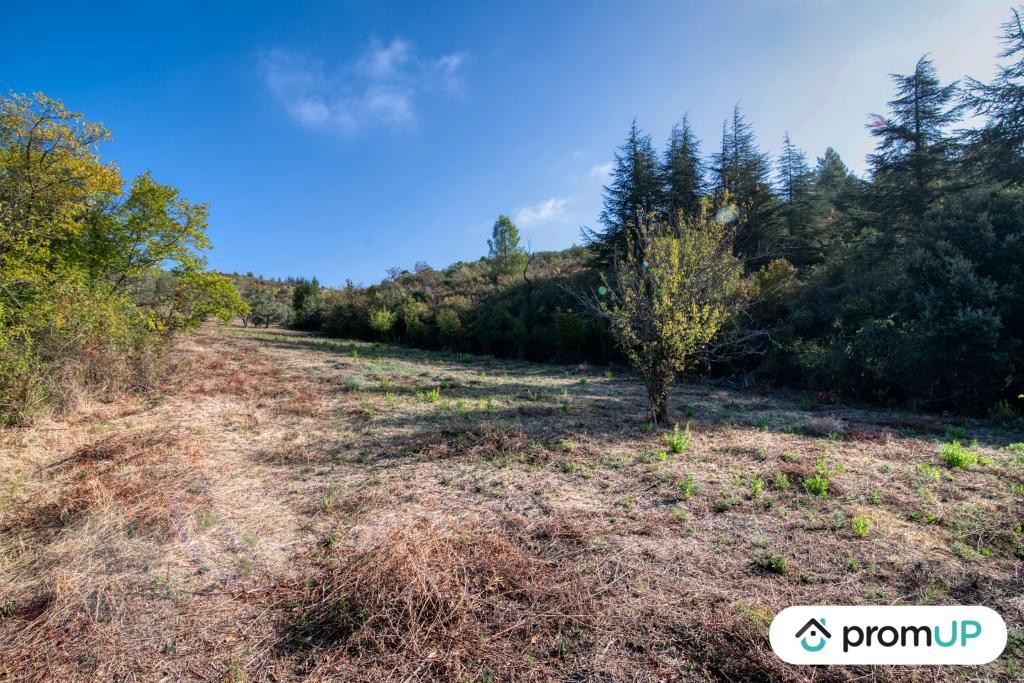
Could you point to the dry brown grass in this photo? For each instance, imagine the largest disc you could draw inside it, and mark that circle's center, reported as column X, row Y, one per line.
column 424, row 602
column 292, row 508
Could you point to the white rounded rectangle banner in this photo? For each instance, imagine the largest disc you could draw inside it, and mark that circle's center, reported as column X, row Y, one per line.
column 868, row 634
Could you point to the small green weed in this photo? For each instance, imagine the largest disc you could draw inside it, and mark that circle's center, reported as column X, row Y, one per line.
column 861, row 526
column 756, row 486
column 775, row 564
column 652, row 457
column 687, row 488
column 678, row 442
column 970, row 554
column 429, row 396
column 957, row 457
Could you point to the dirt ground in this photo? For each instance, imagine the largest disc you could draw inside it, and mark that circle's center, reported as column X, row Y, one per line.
column 298, row 508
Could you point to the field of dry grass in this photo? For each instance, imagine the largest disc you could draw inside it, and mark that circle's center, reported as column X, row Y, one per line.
column 296, row 508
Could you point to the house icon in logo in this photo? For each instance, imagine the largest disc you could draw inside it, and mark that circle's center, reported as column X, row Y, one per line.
column 817, row 630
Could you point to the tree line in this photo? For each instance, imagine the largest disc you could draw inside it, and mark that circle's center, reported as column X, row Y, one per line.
column 904, row 286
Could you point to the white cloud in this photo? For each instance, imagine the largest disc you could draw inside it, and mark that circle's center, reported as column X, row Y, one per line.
column 446, row 71
column 393, row 106
column 548, row 211
column 601, row 170
column 381, row 62
column 381, row 86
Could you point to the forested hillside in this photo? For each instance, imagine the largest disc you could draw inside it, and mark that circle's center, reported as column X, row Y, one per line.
column 904, row 286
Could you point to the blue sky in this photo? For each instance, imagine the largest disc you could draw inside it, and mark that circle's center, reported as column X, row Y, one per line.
column 338, row 139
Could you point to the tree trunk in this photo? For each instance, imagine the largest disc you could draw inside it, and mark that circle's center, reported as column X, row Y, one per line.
column 657, row 399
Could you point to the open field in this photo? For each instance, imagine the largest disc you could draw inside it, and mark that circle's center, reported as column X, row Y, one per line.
column 292, row 507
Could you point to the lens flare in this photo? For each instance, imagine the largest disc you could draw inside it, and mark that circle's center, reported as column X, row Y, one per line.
column 727, row 214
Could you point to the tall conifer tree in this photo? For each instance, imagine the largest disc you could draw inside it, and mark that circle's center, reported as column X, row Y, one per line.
column 801, row 211
column 633, row 196
column 913, row 162
column 683, row 174
column 999, row 145
column 744, row 173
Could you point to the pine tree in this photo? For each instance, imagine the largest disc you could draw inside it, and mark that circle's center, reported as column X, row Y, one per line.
column 913, row 162
column 744, row 173
column 801, row 211
column 999, row 145
column 683, row 174
column 832, row 177
column 837, row 189
column 632, row 197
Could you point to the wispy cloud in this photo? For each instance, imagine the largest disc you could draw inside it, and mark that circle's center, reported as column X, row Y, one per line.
column 550, row 210
column 601, row 170
column 381, row 85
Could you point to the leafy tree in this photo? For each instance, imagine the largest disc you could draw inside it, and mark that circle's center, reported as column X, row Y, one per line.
column 382, row 320
column 999, row 144
column 92, row 282
column 632, row 197
column 198, row 295
column 506, row 255
column 152, row 229
column 683, row 173
column 448, row 323
column 306, row 303
column 962, row 301
column 264, row 309
column 667, row 297
column 52, row 174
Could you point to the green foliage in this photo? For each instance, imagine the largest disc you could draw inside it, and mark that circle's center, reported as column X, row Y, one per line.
column 264, row 309
column 687, row 488
column 817, row 486
column 307, row 304
column 507, row 257
column 633, row 195
column 678, row 442
column 448, row 323
column 668, row 298
column 930, row 472
column 955, row 433
column 382, row 320
column 93, row 279
column 781, row 481
column 773, row 563
column 969, row 553
column 861, row 526
column 957, row 457
column 652, row 457
column 430, row 395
